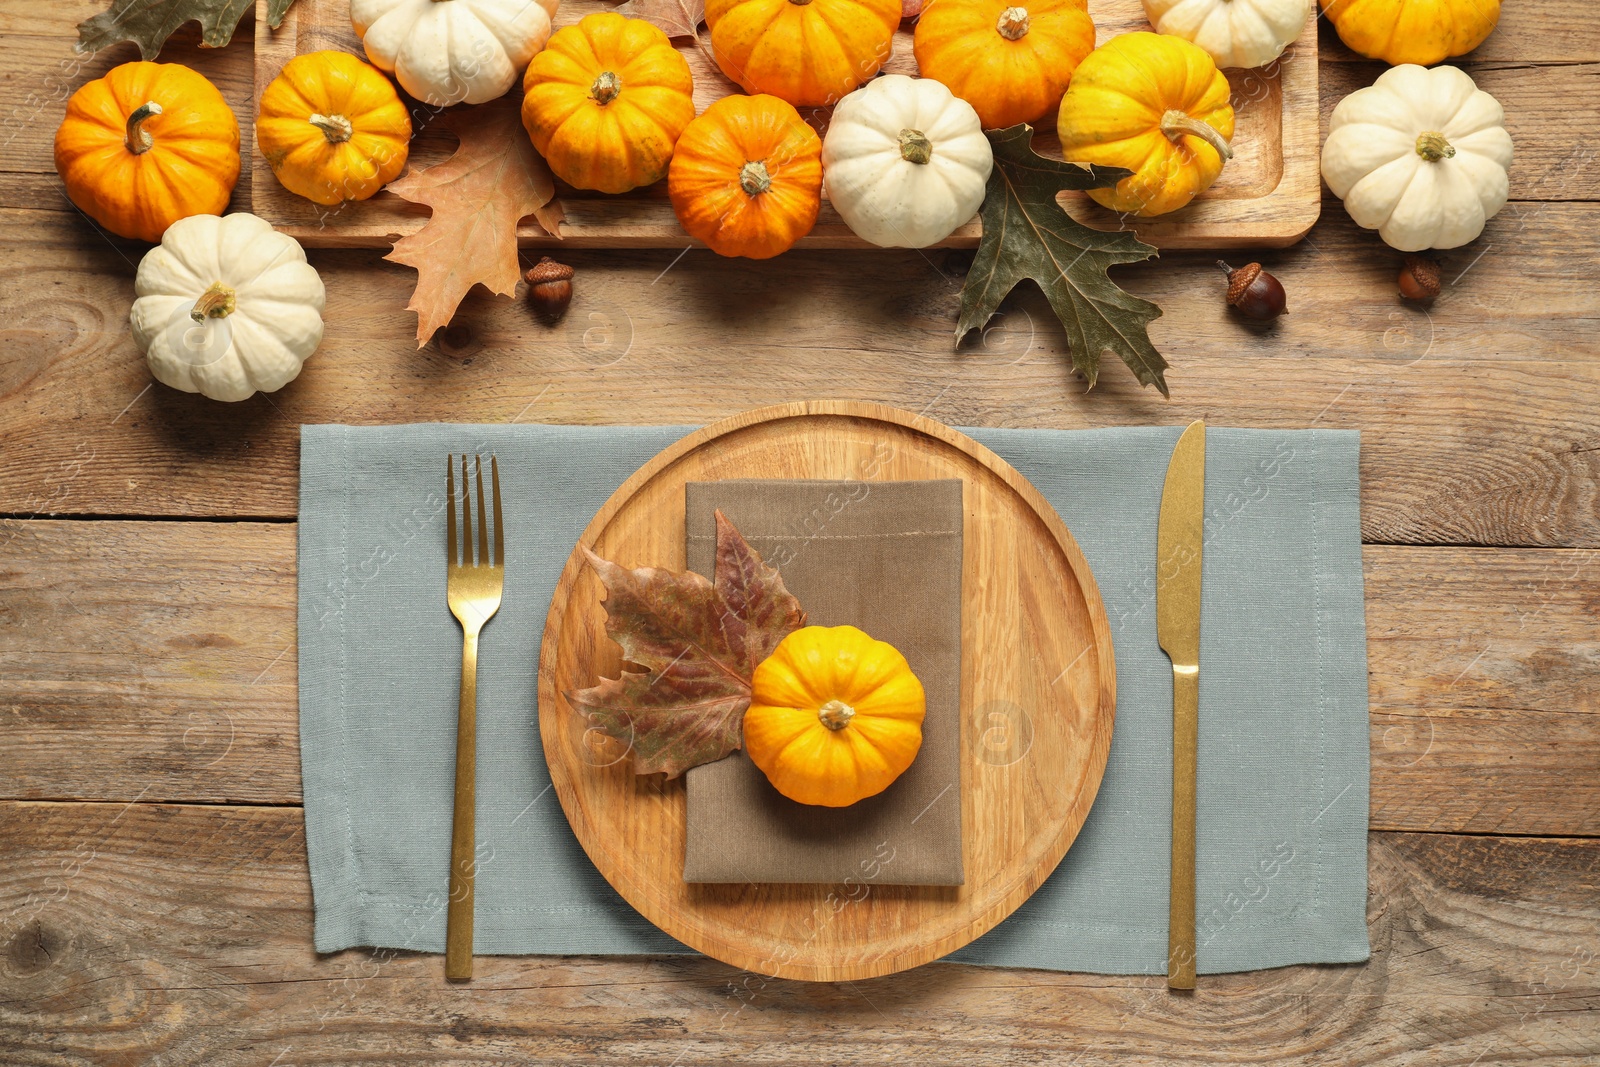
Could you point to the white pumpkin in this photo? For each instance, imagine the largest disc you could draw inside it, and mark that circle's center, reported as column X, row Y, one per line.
column 1237, row 33
column 905, row 161
column 226, row 307
column 453, row 51
column 1420, row 156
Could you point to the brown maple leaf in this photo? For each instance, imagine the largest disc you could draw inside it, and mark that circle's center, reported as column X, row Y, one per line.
column 675, row 18
column 493, row 181
column 695, row 644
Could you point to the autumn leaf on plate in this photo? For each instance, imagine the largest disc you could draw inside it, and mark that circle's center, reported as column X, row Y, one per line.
column 148, row 23
column 1026, row 234
column 675, row 18
column 692, row 645
column 494, row 180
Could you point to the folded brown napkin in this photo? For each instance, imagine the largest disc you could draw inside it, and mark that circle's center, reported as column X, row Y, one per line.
column 884, row 557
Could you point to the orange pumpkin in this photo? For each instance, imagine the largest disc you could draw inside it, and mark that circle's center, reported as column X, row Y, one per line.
column 606, row 101
column 1009, row 61
column 332, row 128
column 147, row 145
column 747, row 177
column 808, row 52
column 834, row 716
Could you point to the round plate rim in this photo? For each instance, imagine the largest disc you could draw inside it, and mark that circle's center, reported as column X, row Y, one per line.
column 1003, row 907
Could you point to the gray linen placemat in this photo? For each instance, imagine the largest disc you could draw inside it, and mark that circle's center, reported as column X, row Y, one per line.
column 1282, row 823
column 887, row 561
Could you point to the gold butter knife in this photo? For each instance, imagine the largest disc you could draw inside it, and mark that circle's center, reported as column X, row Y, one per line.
column 1180, row 536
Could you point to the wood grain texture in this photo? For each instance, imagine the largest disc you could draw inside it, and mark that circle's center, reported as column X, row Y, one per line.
column 1267, row 196
column 1034, row 634
column 181, row 936
column 1478, row 416
column 156, row 661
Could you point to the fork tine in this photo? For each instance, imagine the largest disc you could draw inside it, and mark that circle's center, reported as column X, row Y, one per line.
column 483, row 520
column 466, row 515
column 499, row 530
column 450, row 508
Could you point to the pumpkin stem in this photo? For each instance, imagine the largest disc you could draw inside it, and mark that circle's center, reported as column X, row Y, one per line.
column 836, row 714
column 1433, row 147
column 799, row 3
column 605, row 87
column 139, row 139
column 336, row 128
column 754, row 179
column 1013, row 23
column 216, row 302
column 915, row 146
column 1176, row 123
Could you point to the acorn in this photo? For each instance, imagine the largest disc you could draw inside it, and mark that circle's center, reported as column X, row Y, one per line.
column 1419, row 279
column 1257, row 294
column 550, row 288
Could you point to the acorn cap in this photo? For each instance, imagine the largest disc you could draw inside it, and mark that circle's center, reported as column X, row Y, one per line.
column 548, row 270
column 1239, row 281
column 1425, row 273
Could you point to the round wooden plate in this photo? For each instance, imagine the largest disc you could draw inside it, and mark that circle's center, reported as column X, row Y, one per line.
column 1038, row 693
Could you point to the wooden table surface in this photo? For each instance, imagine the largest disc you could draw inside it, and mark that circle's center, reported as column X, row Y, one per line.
column 154, row 901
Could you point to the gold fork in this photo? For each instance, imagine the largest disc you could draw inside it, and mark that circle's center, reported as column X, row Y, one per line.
column 473, row 588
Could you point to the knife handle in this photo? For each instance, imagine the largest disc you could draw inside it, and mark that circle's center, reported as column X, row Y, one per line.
column 1185, row 743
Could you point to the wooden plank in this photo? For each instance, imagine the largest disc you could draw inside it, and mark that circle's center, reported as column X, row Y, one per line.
column 182, row 936
column 1268, row 196
column 1449, row 455
column 157, row 660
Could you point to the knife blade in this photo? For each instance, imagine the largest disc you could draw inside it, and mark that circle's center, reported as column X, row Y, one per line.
column 1180, row 535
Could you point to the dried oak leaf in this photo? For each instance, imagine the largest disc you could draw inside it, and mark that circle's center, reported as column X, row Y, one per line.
column 493, row 181
column 695, row 644
column 675, row 18
column 1026, row 234
column 148, row 23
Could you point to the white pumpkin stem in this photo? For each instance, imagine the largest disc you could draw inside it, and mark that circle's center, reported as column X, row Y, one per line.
column 606, row 87
column 1433, row 147
column 1176, row 123
column 139, row 140
column 754, row 178
column 336, row 128
column 1013, row 23
column 836, row 714
column 217, row 302
column 915, row 146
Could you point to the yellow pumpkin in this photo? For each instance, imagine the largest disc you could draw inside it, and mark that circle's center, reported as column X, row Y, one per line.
column 1010, row 62
column 1412, row 31
column 1155, row 105
column 747, row 177
column 808, row 52
column 606, row 101
column 332, row 128
column 147, row 145
column 834, row 716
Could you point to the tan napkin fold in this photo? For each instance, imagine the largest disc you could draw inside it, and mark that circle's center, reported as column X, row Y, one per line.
column 885, row 557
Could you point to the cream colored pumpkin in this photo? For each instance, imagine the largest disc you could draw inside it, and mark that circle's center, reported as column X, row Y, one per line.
column 905, row 161
column 1421, row 156
column 226, row 307
column 453, row 51
column 1237, row 33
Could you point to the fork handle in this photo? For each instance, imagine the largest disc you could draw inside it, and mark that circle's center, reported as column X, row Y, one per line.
column 463, row 837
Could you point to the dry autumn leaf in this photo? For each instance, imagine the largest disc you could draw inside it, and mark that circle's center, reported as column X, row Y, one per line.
column 148, row 23
column 493, row 181
column 675, row 18
column 696, row 644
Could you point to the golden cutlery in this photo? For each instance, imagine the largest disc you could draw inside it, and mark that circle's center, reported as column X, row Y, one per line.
column 473, row 587
column 1180, row 536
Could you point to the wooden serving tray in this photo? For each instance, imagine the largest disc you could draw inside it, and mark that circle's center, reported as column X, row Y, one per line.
column 1038, row 696
column 1269, row 195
